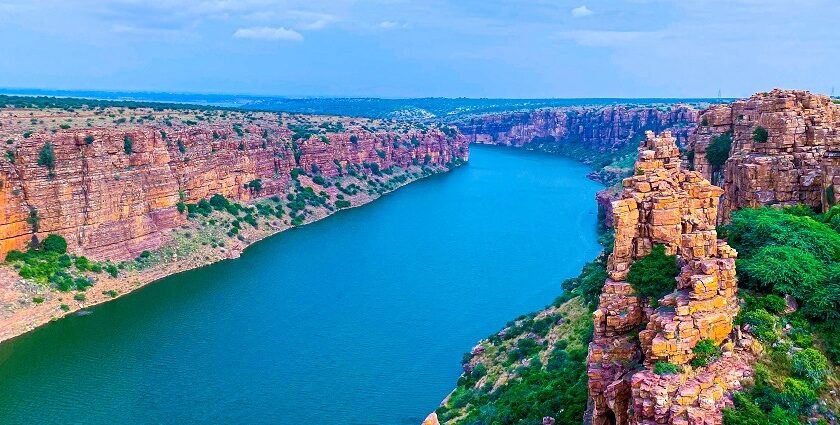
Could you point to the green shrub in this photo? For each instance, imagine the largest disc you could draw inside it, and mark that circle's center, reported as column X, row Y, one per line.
column 80, row 296
column 760, row 134
column 65, row 307
column 754, row 228
column 783, row 269
column 797, row 395
column 763, row 324
column 653, row 276
column 665, row 368
column 46, row 157
column 811, row 365
column 37, row 300
column 54, row 243
column 128, row 145
column 342, row 204
column 718, row 150
column 705, row 352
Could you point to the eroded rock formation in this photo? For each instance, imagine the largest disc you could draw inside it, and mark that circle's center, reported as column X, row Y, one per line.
column 605, row 129
column 665, row 204
column 112, row 189
column 797, row 163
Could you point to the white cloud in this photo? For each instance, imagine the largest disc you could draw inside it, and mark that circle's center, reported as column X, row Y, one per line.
column 604, row 38
column 581, row 11
column 268, row 33
column 389, row 25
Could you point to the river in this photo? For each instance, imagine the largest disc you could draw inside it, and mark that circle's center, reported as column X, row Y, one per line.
column 358, row 319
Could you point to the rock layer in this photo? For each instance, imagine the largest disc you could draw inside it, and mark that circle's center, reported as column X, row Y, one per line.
column 603, row 129
column 798, row 161
column 665, row 204
column 113, row 190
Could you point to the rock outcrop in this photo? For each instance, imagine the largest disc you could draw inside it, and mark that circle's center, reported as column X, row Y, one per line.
column 665, row 204
column 785, row 150
column 113, row 189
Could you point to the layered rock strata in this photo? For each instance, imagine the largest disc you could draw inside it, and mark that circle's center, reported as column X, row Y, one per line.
column 785, row 145
column 113, row 190
column 665, row 204
column 603, row 129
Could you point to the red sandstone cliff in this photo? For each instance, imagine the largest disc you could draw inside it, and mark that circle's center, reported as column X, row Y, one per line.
column 797, row 163
column 600, row 129
column 111, row 200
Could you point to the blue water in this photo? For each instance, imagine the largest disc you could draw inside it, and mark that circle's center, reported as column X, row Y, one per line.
column 361, row 318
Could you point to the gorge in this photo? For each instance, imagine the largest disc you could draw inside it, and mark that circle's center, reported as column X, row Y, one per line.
column 358, row 318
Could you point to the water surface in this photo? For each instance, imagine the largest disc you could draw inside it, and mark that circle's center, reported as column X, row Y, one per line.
column 358, row 319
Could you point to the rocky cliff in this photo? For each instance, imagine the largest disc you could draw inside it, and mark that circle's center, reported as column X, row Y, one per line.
column 110, row 180
column 602, row 129
column 639, row 362
column 785, row 150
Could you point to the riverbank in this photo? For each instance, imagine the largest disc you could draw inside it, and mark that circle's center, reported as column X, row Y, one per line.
column 27, row 305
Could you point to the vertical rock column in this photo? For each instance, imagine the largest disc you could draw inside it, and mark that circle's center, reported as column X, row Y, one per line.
column 661, row 204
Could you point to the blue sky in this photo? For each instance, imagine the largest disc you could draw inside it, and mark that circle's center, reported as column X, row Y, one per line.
column 415, row 48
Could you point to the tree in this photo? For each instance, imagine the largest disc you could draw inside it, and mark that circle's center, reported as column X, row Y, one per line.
column 54, row 243
column 653, row 276
column 128, row 145
column 760, row 134
column 718, row 150
column 46, row 158
column 810, row 364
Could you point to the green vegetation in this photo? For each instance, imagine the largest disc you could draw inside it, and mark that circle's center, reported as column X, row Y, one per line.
column 665, row 368
column 541, row 378
column 653, row 276
column 760, row 134
column 128, row 145
column 49, row 264
column 718, row 150
column 705, row 352
column 46, row 157
column 789, row 251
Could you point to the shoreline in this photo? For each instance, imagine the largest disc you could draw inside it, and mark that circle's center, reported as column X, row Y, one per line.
column 32, row 316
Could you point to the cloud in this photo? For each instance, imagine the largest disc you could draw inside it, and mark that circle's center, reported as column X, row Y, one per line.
column 268, row 33
column 389, row 25
column 581, row 11
column 604, row 38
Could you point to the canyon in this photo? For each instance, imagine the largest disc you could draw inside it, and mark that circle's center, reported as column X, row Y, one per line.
column 116, row 183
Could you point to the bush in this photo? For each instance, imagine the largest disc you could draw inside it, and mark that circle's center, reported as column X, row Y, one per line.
column 653, row 276
column 763, row 324
column 79, row 296
column 705, row 352
column 342, row 204
column 54, row 243
column 718, row 150
column 754, row 228
column 810, row 364
column 665, row 368
column 783, row 269
column 46, row 157
column 760, row 134
column 128, row 145
column 797, row 395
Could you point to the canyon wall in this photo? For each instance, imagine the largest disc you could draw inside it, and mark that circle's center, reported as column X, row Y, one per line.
column 113, row 190
column 601, row 129
column 785, row 146
column 663, row 204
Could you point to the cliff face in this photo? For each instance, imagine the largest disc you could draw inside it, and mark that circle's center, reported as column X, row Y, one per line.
column 785, row 149
column 112, row 190
column 664, row 204
column 605, row 129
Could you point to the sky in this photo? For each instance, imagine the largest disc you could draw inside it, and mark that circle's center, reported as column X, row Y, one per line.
column 423, row 48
